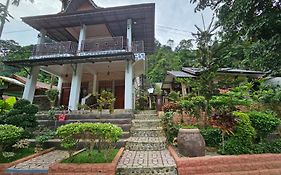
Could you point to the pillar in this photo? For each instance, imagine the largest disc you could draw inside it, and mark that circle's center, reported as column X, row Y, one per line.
column 30, row 84
column 75, row 87
column 59, row 87
column 95, row 84
column 129, row 35
column 183, row 89
column 129, row 86
column 82, row 37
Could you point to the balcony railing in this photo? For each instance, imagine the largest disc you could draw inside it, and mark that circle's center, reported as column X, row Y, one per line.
column 55, row 49
column 103, row 44
column 92, row 46
column 138, row 47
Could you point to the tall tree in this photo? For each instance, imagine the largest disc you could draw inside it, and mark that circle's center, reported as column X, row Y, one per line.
column 252, row 29
column 4, row 13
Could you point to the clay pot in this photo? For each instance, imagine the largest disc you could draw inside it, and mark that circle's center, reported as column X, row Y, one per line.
column 191, row 143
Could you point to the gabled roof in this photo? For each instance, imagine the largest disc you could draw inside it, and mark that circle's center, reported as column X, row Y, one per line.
column 75, row 4
column 39, row 85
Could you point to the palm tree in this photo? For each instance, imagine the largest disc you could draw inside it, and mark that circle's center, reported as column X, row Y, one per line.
column 4, row 14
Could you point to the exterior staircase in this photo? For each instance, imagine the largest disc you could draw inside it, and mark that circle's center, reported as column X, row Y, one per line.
column 146, row 150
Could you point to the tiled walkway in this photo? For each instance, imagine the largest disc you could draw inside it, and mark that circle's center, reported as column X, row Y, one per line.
column 146, row 155
column 39, row 164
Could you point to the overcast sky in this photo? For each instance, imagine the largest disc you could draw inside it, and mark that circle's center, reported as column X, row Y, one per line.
column 175, row 19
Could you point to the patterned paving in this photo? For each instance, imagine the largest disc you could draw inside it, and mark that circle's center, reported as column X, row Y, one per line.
column 142, row 159
column 146, row 151
column 40, row 163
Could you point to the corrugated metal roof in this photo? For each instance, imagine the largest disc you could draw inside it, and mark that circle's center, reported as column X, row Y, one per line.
column 180, row 74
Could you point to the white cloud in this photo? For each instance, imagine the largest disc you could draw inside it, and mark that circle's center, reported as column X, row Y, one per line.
column 170, row 15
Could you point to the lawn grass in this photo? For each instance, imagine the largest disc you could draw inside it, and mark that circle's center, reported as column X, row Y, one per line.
column 18, row 155
column 97, row 157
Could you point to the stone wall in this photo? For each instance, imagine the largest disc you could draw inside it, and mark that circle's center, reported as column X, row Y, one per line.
column 43, row 102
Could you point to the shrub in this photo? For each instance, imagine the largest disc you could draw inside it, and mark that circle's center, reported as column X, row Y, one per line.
column 106, row 100
column 170, row 128
column 101, row 135
column 7, row 105
column 212, row 136
column 23, row 115
column 242, row 140
column 170, row 107
column 267, row 147
column 9, row 135
column 173, row 96
column 52, row 95
column 264, row 123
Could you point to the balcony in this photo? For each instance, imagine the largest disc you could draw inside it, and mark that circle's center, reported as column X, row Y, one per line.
column 90, row 47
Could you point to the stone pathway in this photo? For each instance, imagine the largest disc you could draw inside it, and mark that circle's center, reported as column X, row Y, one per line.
column 146, row 151
column 39, row 165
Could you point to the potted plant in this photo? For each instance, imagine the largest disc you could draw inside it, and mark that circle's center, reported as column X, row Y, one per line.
column 99, row 154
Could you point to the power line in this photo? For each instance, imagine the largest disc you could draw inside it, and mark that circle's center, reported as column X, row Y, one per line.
column 172, row 28
column 18, row 31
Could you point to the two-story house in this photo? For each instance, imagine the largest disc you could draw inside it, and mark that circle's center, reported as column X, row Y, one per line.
column 91, row 49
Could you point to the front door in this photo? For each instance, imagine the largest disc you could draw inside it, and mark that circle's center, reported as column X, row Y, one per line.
column 119, row 94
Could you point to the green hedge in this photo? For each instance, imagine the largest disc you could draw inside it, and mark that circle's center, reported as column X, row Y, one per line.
column 212, row 136
column 9, row 135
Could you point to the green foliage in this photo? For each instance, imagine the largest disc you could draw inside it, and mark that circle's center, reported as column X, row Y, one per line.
column 173, row 96
column 264, row 123
column 212, row 136
column 170, row 128
column 23, row 115
column 9, row 135
column 7, row 105
column 101, row 135
column 52, row 95
column 106, row 100
column 170, row 107
column 242, row 140
column 141, row 100
column 99, row 157
column 267, row 147
column 194, row 105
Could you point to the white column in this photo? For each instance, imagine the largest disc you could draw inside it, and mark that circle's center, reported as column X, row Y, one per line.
column 183, row 89
column 41, row 36
column 129, row 34
column 59, row 87
column 30, row 84
column 82, row 37
column 129, row 85
column 95, row 77
column 75, row 87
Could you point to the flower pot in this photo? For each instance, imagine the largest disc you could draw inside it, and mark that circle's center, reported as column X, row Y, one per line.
column 191, row 143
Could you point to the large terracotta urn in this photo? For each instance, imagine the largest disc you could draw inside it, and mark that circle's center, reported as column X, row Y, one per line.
column 191, row 143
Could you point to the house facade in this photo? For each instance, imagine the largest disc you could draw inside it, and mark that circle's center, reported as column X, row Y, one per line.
column 91, row 49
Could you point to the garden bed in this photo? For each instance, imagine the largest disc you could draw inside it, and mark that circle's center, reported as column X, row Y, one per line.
column 21, row 157
column 76, row 165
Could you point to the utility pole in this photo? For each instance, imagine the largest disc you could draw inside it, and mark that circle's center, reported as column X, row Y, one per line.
column 3, row 20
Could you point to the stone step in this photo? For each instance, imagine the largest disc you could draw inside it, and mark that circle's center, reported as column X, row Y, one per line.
column 90, row 116
column 146, row 162
column 146, row 116
column 146, row 112
column 146, row 143
column 147, row 132
column 146, row 123
column 51, row 125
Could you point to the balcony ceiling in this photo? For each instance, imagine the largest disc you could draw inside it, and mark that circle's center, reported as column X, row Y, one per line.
column 115, row 18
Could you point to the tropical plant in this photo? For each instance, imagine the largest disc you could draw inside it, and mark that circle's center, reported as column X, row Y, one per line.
column 7, row 105
column 170, row 128
column 106, row 100
column 52, row 95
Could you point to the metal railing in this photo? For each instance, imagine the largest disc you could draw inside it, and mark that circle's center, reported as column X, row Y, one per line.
column 103, row 44
column 67, row 48
column 56, row 48
column 138, row 47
